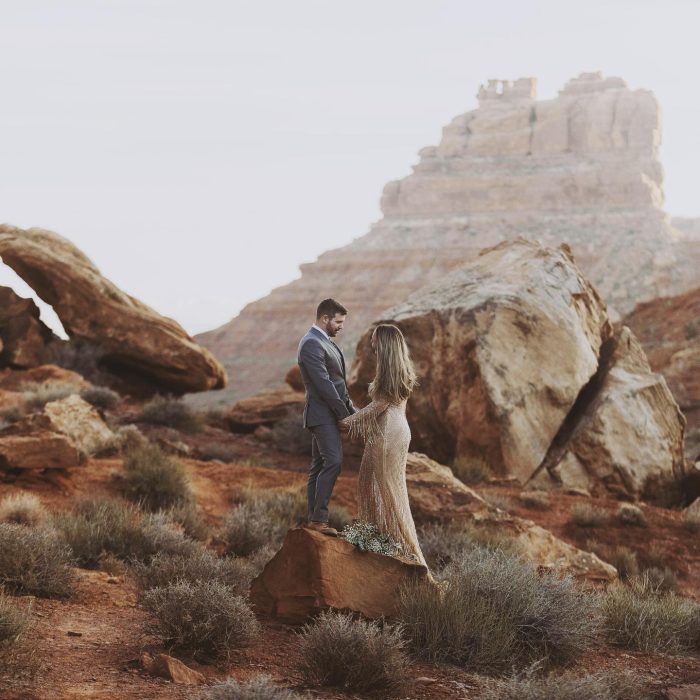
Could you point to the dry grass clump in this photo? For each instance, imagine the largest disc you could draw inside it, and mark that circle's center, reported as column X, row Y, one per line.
column 624, row 560
column 607, row 685
column 36, row 395
column 100, row 526
column 154, row 479
column 22, row 509
column 260, row 688
column 359, row 655
column 34, row 561
column 629, row 514
column 496, row 613
column 289, row 435
column 654, row 555
column 537, row 500
column 586, row 515
column 472, row 470
column 194, row 567
column 641, row 616
column 442, row 543
column 189, row 517
column 173, row 413
column 662, row 580
column 101, row 397
column 263, row 516
column 14, row 621
column 205, row 619
column 217, row 451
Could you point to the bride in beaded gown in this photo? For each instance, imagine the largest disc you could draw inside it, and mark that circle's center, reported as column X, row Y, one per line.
column 382, row 493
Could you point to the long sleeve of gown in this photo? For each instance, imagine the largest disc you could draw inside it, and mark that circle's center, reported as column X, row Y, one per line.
column 364, row 422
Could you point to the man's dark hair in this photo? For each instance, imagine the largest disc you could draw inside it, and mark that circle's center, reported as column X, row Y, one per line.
column 330, row 307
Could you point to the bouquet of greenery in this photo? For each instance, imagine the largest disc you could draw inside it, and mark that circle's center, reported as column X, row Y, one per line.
column 367, row 538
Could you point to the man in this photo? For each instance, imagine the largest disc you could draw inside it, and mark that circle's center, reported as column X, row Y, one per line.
column 327, row 401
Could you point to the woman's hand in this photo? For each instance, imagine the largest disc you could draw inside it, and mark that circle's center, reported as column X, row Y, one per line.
column 343, row 427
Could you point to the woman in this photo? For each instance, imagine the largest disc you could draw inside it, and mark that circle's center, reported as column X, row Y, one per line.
column 382, row 492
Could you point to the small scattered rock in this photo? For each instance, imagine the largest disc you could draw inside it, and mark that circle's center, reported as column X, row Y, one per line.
column 172, row 669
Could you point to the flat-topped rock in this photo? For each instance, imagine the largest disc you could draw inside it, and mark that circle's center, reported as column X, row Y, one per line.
column 313, row 572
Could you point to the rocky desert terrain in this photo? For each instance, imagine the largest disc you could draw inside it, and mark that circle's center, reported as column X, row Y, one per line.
column 152, row 550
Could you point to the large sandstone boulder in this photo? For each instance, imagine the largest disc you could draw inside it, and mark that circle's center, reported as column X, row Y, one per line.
column 263, row 410
column 502, row 347
column 19, row 379
column 312, row 572
column 512, row 351
column 435, row 492
column 669, row 331
column 60, row 436
column 134, row 339
column 629, row 440
column 23, row 336
column 580, row 168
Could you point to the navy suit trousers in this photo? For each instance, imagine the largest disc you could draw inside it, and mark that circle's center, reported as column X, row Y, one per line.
column 326, row 458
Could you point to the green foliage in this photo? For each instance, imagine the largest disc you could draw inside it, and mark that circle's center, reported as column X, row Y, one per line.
column 358, row 655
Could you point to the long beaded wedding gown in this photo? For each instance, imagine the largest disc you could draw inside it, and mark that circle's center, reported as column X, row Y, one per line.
column 382, row 493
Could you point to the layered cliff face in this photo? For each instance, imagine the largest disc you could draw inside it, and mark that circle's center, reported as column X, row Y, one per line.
column 581, row 168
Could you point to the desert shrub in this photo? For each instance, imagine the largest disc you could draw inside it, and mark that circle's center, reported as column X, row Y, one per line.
column 624, row 560
column 205, row 618
column 289, row 435
column 154, row 479
column 495, row 612
column 472, row 470
column 586, row 515
column 189, row 517
column 82, row 358
column 263, row 516
column 661, row 579
column 100, row 526
column 101, row 397
column 359, row 655
column 538, row 500
column 14, row 620
column 129, row 437
column 691, row 521
column 260, row 688
column 640, row 616
column 173, row 413
column 218, row 451
column 498, row 500
column 606, row 685
column 22, row 509
column 654, row 556
column 629, row 514
column 34, row 561
column 194, row 567
column 37, row 394
column 441, row 543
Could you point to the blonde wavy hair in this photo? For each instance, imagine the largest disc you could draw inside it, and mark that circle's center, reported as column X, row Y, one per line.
column 395, row 377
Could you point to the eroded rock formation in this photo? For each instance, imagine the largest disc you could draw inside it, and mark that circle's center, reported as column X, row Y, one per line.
column 581, row 168
column 519, row 366
column 134, row 340
column 669, row 331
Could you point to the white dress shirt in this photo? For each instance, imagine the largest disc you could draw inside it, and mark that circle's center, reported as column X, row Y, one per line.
column 318, row 328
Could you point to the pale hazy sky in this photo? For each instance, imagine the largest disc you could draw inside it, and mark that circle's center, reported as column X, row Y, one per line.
column 199, row 151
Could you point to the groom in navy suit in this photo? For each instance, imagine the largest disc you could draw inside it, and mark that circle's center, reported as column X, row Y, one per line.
column 322, row 367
